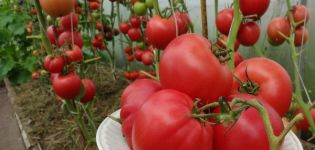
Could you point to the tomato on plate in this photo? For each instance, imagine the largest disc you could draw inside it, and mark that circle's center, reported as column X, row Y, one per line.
column 162, row 124
column 248, row 132
column 189, row 66
column 132, row 99
column 273, row 82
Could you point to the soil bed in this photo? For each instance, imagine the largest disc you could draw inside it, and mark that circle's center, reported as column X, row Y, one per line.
column 47, row 123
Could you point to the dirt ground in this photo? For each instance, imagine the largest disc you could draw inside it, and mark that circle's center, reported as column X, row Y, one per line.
column 48, row 124
column 9, row 129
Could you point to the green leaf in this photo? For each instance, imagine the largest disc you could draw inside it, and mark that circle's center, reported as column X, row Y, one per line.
column 19, row 76
column 5, row 20
column 105, row 57
column 5, row 67
column 29, row 63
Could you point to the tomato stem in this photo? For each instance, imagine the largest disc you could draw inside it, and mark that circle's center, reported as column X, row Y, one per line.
column 43, row 26
column 258, row 51
column 148, row 75
column 237, row 19
column 216, row 7
column 297, row 118
column 157, row 7
column 157, row 58
column 298, row 92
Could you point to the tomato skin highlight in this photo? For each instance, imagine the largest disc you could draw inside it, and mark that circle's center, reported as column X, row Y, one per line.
column 160, row 32
column 248, row 33
column 198, row 72
column 248, row 133
column 275, row 85
column 132, row 99
column 162, row 124
column 224, row 20
column 67, row 86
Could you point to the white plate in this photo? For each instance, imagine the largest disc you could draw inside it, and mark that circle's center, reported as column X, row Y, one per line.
column 109, row 137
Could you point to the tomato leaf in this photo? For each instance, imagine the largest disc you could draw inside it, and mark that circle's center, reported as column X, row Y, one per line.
column 19, row 76
column 5, row 67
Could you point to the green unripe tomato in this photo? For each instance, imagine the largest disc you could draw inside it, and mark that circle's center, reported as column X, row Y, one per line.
column 140, row 8
column 140, row 45
column 149, row 3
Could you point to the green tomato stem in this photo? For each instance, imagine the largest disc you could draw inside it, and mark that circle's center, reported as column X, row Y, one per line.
column 258, row 51
column 157, row 7
column 43, row 26
column 157, row 58
column 90, row 118
column 216, row 7
column 233, row 32
column 297, row 91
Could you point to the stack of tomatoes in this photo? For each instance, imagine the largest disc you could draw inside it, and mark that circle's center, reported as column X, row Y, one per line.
column 67, row 43
column 156, row 115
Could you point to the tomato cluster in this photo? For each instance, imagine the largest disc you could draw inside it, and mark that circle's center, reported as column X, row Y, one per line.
column 279, row 28
column 155, row 112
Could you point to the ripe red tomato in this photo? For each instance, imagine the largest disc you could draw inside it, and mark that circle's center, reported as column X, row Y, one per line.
column 66, row 38
column 94, row 5
column 124, row 27
column 238, row 58
column 160, row 32
column 99, row 26
column 147, row 58
column 54, row 65
column 304, row 125
column 189, row 59
column 134, row 34
column 300, row 14
column 301, row 36
column 51, row 35
column 35, row 75
column 275, row 86
column 183, row 22
column 249, row 126
column 74, row 55
column 138, row 54
column 67, row 86
column 223, row 40
column 275, row 26
column 130, row 58
column 89, row 90
column 135, row 22
column 57, row 8
column 128, row 50
column 163, row 119
column 224, row 20
column 248, row 33
column 254, row 7
column 66, row 21
column 132, row 99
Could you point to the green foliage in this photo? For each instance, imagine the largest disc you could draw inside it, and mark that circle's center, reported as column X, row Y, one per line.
column 16, row 62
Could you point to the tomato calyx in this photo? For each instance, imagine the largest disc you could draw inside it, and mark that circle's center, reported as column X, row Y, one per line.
column 221, row 53
column 249, row 86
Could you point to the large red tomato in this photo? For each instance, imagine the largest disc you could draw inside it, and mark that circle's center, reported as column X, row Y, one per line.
column 51, row 34
column 275, row 86
column 248, row 132
column 66, row 38
column 248, row 33
column 254, row 7
column 275, row 26
column 132, row 99
column 67, row 86
column 134, row 34
column 89, row 90
column 189, row 66
column 224, row 20
column 160, row 31
column 57, row 8
column 54, row 65
column 162, row 124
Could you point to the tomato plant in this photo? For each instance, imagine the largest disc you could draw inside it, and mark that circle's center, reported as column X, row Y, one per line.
column 57, row 8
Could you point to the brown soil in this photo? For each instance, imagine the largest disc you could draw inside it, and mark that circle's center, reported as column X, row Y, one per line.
column 48, row 124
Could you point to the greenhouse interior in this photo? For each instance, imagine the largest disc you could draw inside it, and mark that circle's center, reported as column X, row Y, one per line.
column 114, row 74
